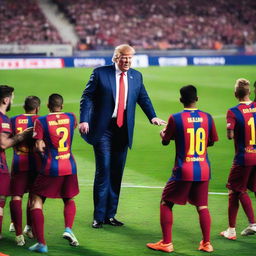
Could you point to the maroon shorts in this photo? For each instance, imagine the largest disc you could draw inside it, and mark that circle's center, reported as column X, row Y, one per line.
column 242, row 178
column 56, row 187
column 21, row 183
column 181, row 192
column 5, row 184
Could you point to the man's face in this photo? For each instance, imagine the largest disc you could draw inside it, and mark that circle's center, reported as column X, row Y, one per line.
column 9, row 103
column 124, row 61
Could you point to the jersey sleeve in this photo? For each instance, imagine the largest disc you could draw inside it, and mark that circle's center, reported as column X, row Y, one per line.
column 231, row 120
column 213, row 136
column 5, row 126
column 170, row 129
column 38, row 132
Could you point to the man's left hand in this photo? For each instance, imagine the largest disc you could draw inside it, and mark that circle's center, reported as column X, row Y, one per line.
column 158, row 121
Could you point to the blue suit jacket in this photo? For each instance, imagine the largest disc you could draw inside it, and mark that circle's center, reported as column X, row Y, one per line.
column 98, row 102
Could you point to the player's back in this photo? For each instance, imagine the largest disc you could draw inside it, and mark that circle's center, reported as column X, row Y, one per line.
column 57, row 130
column 194, row 129
column 242, row 119
column 24, row 158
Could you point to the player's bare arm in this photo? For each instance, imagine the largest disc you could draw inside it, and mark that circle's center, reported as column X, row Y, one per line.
column 230, row 134
column 40, row 146
column 6, row 141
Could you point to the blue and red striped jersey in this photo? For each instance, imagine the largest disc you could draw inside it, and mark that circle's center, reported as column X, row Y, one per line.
column 56, row 130
column 242, row 119
column 193, row 130
column 5, row 127
column 24, row 158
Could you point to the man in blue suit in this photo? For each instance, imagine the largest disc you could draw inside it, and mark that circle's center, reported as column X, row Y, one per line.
column 107, row 112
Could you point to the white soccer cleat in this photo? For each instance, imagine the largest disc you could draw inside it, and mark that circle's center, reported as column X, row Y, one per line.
column 230, row 233
column 20, row 240
column 250, row 230
column 69, row 235
column 28, row 232
column 1, row 237
column 12, row 228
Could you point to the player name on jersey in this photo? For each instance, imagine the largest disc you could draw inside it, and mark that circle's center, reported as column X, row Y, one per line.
column 59, row 122
column 195, row 119
column 249, row 110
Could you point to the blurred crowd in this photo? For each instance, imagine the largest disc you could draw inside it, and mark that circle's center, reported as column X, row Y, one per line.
column 162, row 24
column 145, row 24
column 22, row 22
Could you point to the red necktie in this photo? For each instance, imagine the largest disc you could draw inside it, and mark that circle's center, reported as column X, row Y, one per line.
column 120, row 108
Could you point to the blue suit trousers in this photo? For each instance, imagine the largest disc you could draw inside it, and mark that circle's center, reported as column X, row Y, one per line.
column 110, row 156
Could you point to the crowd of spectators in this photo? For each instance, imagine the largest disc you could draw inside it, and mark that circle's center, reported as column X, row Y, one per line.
column 145, row 24
column 22, row 22
column 162, row 24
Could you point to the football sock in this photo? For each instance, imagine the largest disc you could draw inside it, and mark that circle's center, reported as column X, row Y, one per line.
column 1, row 222
column 16, row 214
column 205, row 223
column 247, row 206
column 166, row 220
column 69, row 213
column 233, row 206
column 37, row 219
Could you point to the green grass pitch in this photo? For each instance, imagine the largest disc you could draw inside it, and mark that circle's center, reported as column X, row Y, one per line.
column 149, row 164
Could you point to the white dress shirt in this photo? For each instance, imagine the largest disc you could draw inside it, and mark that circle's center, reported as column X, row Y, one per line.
column 118, row 75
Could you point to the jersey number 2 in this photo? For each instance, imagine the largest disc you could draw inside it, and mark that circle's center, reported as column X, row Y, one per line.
column 62, row 147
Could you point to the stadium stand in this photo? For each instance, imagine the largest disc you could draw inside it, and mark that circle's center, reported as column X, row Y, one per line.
column 145, row 24
column 22, row 22
column 161, row 24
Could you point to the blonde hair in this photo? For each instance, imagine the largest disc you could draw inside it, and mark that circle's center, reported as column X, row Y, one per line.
column 242, row 87
column 121, row 50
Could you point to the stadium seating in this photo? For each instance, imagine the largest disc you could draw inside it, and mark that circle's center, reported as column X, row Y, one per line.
column 161, row 24
column 22, row 22
column 145, row 24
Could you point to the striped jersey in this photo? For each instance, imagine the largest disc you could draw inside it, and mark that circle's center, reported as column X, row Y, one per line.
column 5, row 127
column 242, row 119
column 56, row 130
column 192, row 131
column 24, row 159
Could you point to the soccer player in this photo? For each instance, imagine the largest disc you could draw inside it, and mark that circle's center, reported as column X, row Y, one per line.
column 23, row 167
column 241, row 121
column 193, row 131
column 58, row 175
column 7, row 141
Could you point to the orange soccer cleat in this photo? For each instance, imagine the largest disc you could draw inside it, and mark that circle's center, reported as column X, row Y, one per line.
column 206, row 247
column 160, row 246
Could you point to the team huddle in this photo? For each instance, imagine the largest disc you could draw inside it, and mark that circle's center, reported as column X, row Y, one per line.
column 43, row 165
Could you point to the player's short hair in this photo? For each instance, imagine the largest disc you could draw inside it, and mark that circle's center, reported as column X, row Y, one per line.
column 55, row 101
column 188, row 94
column 31, row 103
column 122, row 49
column 5, row 91
column 242, row 87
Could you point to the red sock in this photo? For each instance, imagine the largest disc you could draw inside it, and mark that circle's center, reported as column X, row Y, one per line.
column 233, row 206
column 37, row 219
column 166, row 220
column 16, row 214
column 1, row 222
column 247, row 206
column 205, row 223
column 69, row 213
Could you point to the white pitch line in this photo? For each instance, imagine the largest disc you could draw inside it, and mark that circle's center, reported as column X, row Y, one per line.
column 153, row 187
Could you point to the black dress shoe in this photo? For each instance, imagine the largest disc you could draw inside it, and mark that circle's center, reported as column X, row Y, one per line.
column 113, row 222
column 97, row 224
